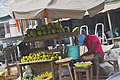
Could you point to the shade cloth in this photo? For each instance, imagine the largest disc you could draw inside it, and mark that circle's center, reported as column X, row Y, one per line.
column 23, row 9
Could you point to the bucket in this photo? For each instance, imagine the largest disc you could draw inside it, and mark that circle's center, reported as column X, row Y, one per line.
column 74, row 52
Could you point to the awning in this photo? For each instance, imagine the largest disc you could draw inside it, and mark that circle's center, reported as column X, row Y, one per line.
column 24, row 9
column 115, row 4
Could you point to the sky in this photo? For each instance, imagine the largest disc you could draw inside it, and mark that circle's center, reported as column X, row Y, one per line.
column 1, row 1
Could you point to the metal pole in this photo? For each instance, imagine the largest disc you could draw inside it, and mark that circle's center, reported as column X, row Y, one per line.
column 110, row 25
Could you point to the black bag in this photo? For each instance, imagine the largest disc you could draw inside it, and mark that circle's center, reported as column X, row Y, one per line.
column 24, row 51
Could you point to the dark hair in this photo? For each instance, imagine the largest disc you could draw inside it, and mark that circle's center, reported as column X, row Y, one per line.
column 83, row 32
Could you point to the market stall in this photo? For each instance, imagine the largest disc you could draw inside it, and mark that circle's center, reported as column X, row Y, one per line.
column 31, row 9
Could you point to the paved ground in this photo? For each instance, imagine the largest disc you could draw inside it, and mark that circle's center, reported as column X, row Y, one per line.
column 68, row 78
column 83, row 79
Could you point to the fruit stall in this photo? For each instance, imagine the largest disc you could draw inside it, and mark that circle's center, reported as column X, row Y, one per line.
column 40, row 59
column 37, row 40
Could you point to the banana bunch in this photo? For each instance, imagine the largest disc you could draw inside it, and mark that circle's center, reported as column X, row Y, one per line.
column 45, row 76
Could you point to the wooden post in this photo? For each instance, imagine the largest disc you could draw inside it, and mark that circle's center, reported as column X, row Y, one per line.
column 60, row 39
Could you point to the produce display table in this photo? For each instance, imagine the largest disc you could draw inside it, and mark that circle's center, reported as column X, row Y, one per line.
column 36, row 62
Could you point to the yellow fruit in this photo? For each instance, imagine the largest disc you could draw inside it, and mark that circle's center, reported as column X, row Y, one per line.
column 60, row 58
column 52, row 58
column 56, row 54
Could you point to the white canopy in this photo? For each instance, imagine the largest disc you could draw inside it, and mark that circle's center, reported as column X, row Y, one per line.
column 55, row 8
column 4, row 10
column 74, row 8
column 28, row 8
column 111, row 6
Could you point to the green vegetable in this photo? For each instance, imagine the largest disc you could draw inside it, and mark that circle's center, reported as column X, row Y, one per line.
column 76, row 29
column 45, row 32
column 67, row 29
column 33, row 32
column 39, row 33
column 38, row 28
column 43, row 27
column 49, row 31
column 28, row 31
column 49, row 26
column 54, row 30
column 62, row 29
